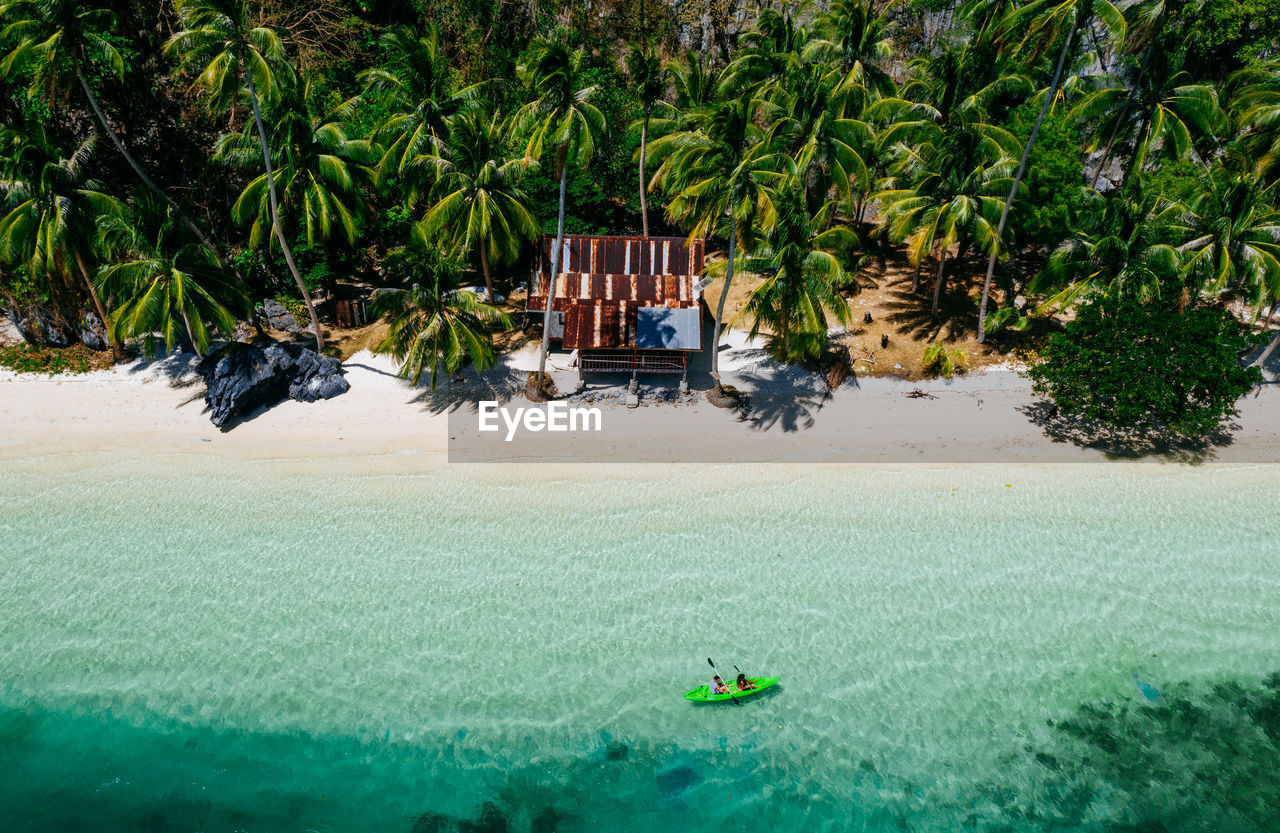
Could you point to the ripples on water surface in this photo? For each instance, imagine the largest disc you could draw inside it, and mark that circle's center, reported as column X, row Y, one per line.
column 194, row 644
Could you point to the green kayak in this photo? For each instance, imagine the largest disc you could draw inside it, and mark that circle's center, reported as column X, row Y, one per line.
column 699, row 694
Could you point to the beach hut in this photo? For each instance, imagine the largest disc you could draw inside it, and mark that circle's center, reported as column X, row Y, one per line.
column 626, row 304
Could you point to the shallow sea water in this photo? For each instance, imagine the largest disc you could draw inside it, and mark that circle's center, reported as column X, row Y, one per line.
column 189, row 643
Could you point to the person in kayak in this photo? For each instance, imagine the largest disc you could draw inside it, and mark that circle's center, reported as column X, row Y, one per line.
column 717, row 686
column 744, row 684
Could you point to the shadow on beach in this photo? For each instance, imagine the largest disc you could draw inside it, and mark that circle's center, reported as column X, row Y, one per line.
column 1126, row 444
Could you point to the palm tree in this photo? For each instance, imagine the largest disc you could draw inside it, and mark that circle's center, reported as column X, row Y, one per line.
column 1124, row 247
column 1043, row 22
column 559, row 116
column 478, row 206
column 948, row 157
column 317, row 172
column 58, row 37
column 414, row 81
column 1156, row 108
column 433, row 323
column 1232, row 236
column 224, row 49
column 801, row 273
column 854, row 35
column 51, row 206
column 1257, row 108
column 164, row 284
column 718, row 174
column 812, row 124
column 649, row 79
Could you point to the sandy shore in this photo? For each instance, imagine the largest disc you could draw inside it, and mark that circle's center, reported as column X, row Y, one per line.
column 985, row 417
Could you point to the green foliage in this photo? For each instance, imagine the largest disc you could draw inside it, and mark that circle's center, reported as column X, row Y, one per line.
column 26, row 358
column 1226, row 35
column 1055, row 193
column 295, row 307
column 940, row 361
column 1150, row 366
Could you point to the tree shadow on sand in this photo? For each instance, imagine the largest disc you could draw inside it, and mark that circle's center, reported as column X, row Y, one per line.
column 466, row 390
column 912, row 315
column 1126, row 444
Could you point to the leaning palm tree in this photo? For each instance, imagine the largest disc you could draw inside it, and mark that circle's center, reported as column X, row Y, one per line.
column 718, row 174
column 433, row 323
column 854, row 34
column 477, row 205
column 318, row 172
column 224, row 49
column 559, row 117
column 56, row 38
column 1040, row 23
column 51, row 208
column 801, row 268
column 162, row 284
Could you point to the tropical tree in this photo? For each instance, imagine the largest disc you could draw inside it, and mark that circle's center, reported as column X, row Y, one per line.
column 433, row 323
column 649, row 79
column 1042, row 23
column 1124, row 247
column 800, row 264
column 224, row 50
column 56, row 39
column 162, row 283
column 317, row 171
column 813, row 126
column 949, row 159
column 414, row 81
column 51, row 206
column 1257, row 108
column 559, row 116
column 477, row 204
column 1155, row 109
column 718, row 174
column 855, row 36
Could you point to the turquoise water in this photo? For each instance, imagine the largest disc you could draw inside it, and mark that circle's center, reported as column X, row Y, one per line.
column 191, row 643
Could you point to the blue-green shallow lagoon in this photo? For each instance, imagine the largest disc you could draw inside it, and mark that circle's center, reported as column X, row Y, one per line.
column 189, row 643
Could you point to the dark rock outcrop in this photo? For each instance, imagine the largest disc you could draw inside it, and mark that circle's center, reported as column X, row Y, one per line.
column 41, row 325
column 92, row 334
column 276, row 316
column 245, row 377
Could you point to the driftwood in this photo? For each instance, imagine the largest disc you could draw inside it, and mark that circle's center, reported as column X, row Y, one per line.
column 919, row 394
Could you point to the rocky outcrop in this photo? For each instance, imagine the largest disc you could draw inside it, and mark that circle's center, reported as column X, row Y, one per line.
column 276, row 316
column 92, row 334
column 245, row 377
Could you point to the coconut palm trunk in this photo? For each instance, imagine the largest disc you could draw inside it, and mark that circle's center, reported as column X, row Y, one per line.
column 484, row 267
column 915, row 279
column 1271, row 348
column 937, row 283
column 1081, row 17
column 644, row 203
column 555, row 268
column 97, row 304
column 275, row 213
column 137, row 169
column 724, row 293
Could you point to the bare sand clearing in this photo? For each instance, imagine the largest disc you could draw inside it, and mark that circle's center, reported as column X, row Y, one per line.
column 984, row 417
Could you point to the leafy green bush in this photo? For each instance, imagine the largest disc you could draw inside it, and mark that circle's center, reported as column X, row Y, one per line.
column 1135, row 365
column 940, row 361
column 27, row 358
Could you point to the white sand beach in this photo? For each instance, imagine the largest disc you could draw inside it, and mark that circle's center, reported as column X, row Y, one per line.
column 990, row 416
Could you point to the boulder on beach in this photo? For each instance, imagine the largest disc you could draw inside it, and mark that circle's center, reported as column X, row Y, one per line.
column 276, row 316
column 245, row 377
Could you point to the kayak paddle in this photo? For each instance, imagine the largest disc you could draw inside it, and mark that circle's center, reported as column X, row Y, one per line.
column 731, row 697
